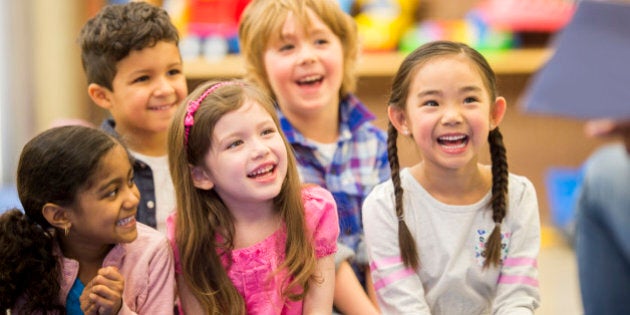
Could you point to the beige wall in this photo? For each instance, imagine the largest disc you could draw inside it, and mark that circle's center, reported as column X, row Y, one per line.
column 59, row 84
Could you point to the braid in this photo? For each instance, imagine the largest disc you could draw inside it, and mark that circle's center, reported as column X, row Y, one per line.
column 499, row 195
column 408, row 250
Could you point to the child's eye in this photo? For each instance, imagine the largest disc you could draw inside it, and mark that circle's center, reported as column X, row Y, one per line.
column 321, row 41
column 430, row 103
column 268, row 131
column 131, row 182
column 112, row 193
column 141, row 79
column 286, row 47
column 174, row 72
column 234, row 144
column 470, row 100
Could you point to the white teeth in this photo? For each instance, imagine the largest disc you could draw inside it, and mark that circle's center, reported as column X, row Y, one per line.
column 261, row 171
column 125, row 221
column 310, row 79
column 453, row 138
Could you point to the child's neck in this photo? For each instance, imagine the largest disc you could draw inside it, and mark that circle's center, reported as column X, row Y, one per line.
column 455, row 187
column 150, row 144
column 89, row 256
column 321, row 126
column 254, row 224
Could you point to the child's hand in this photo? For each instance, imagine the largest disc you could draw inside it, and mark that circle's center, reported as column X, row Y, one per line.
column 103, row 295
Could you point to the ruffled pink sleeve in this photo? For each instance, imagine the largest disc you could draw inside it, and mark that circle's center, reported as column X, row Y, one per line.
column 321, row 219
column 170, row 234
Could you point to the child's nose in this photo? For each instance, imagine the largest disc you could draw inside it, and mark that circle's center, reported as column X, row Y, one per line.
column 307, row 54
column 260, row 149
column 132, row 199
column 164, row 86
column 452, row 115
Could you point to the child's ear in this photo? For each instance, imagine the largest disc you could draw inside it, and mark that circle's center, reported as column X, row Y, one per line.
column 100, row 95
column 398, row 119
column 200, row 178
column 57, row 216
column 497, row 112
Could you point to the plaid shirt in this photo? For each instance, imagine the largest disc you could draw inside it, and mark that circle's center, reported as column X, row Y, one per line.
column 359, row 163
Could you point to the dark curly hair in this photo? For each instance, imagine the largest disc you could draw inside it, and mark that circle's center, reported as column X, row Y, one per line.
column 115, row 31
column 53, row 167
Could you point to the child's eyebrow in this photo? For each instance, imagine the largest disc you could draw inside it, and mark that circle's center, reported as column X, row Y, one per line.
column 471, row 88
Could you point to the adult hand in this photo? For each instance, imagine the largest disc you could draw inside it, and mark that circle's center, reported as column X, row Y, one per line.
column 609, row 127
column 103, row 295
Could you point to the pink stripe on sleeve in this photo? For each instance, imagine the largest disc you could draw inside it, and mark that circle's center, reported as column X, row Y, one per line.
column 385, row 262
column 504, row 279
column 400, row 274
column 520, row 261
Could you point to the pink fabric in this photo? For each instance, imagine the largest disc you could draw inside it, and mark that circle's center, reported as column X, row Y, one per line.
column 147, row 266
column 520, row 261
column 505, row 279
column 253, row 267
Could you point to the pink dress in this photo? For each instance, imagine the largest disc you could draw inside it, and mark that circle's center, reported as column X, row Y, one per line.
column 252, row 268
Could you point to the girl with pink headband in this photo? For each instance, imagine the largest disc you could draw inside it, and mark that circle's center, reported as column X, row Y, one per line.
column 248, row 237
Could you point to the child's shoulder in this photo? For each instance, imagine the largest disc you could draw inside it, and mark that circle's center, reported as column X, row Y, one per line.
column 316, row 193
column 519, row 183
column 149, row 237
column 318, row 202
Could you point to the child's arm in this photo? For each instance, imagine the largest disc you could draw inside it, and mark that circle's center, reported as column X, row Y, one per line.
column 517, row 290
column 319, row 299
column 398, row 288
column 350, row 298
column 187, row 301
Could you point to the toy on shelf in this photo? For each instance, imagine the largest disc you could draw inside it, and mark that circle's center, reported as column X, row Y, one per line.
column 527, row 15
column 471, row 30
column 209, row 28
column 381, row 23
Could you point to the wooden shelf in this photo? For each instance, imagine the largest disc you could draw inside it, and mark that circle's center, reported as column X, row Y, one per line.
column 516, row 61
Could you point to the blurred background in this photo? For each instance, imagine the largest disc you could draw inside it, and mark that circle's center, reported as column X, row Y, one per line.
column 42, row 84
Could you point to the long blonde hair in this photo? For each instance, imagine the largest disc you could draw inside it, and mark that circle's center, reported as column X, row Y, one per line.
column 263, row 19
column 202, row 215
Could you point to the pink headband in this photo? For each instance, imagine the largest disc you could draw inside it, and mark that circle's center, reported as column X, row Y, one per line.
column 194, row 105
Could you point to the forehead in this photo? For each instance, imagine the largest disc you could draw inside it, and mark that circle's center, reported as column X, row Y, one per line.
column 294, row 22
column 245, row 117
column 451, row 70
column 112, row 164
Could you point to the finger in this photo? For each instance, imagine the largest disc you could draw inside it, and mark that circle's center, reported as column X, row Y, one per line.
column 599, row 127
column 111, row 273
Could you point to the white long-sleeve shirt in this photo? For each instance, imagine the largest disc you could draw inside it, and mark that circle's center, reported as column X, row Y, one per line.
column 450, row 241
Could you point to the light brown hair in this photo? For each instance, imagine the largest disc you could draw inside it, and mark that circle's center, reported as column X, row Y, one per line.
column 202, row 215
column 263, row 19
column 398, row 99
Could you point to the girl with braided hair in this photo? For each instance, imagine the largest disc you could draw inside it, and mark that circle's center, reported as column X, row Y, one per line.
column 450, row 235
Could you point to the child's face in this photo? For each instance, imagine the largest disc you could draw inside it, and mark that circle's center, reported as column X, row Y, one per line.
column 105, row 212
column 305, row 69
column 148, row 87
column 448, row 111
column 247, row 161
